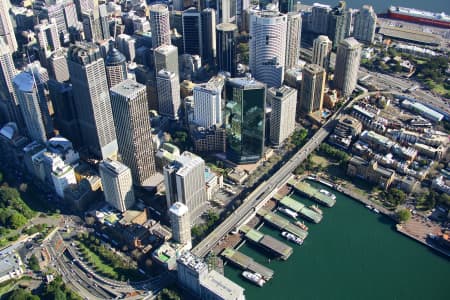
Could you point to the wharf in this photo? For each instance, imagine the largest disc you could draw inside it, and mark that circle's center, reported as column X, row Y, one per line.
column 246, row 263
column 282, row 223
column 306, row 189
column 267, row 242
column 301, row 209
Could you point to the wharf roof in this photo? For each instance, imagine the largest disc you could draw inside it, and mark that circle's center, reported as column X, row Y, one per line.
column 410, row 35
column 222, row 287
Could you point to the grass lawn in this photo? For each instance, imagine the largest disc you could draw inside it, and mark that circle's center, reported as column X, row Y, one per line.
column 97, row 262
column 320, row 160
column 7, row 286
column 440, row 89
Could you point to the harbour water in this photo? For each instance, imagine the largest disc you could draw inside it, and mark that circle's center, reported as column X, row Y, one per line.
column 352, row 254
column 382, row 5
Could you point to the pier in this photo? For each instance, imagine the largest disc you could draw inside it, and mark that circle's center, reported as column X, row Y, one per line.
column 267, row 242
column 300, row 208
column 246, row 263
column 282, row 223
column 307, row 190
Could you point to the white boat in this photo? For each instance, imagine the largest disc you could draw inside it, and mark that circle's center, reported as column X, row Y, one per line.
column 369, row 206
column 376, row 211
column 288, row 212
column 316, row 209
column 256, row 278
column 292, row 237
column 327, row 193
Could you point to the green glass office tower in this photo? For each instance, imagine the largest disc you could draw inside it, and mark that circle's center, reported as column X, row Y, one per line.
column 245, row 119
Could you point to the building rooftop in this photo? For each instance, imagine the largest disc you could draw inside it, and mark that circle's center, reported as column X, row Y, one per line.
column 24, row 82
column 350, row 42
column 410, row 35
column 114, row 56
column 192, row 262
column 226, row 27
column 114, row 166
column 222, row 286
column 178, row 209
column 127, row 88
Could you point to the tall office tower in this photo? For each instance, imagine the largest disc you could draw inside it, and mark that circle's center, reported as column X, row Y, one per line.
column 287, row 6
column 159, row 23
column 130, row 111
column 319, row 18
column 104, row 24
column 347, row 64
column 6, row 27
column 184, row 179
column 117, row 184
column 166, row 57
column 9, row 107
column 365, row 23
column 168, row 87
column 178, row 5
column 55, row 12
column 226, row 47
column 70, row 14
column 208, row 103
column 126, row 45
column 47, row 36
column 192, row 32
column 226, row 11
column 33, row 104
column 282, row 118
column 209, row 34
column 91, row 25
column 181, row 223
column 90, row 88
column 322, row 47
column 293, row 37
column 241, row 8
column 338, row 23
column 116, row 66
column 246, row 119
column 313, row 85
column 268, row 47
column 65, row 117
column 57, row 66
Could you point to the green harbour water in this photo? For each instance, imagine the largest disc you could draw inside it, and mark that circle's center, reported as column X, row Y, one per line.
column 352, row 254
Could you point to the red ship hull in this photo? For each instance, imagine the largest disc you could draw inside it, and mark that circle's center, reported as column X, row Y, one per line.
column 419, row 20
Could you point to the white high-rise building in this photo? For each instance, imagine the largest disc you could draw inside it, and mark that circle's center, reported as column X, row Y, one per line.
column 268, row 47
column 365, row 23
column 208, row 103
column 293, row 37
column 168, row 87
column 8, row 102
column 181, row 223
column 62, row 175
column 166, row 57
column 347, row 64
column 184, row 179
column 282, row 118
column 322, row 47
column 159, row 23
column 6, row 27
column 117, row 184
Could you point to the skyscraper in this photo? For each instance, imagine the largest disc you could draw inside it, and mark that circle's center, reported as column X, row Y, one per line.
column 245, row 119
column 166, row 57
column 160, row 26
column 268, row 47
column 33, row 104
column 192, row 32
column 184, row 179
column 226, row 47
column 319, row 18
column 208, row 103
column 282, row 118
column 293, row 37
column 365, row 23
column 322, row 47
column 130, row 111
column 347, row 64
column 91, row 25
column 209, row 34
column 47, row 36
column 117, row 184
column 313, row 84
column 338, row 23
column 57, row 66
column 168, row 87
column 226, row 11
column 6, row 27
column 9, row 107
column 181, row 223
column 90, row 88
column 116, row 66
column 287, row 6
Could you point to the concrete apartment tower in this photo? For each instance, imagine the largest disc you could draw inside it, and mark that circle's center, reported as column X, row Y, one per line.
column 9, row 106
column 365, row 23
column 347, row 64
column 159, row 24
column 184, row 179
column 166, row 57
column 208, row 103
column 93, row 105
column 268, row 47
column 282, row 118
column 226, row 34
column 6, row 26
column 132, row 120
column 117, row 184
column 293, row 37
column 168, row 87
column 313, row 84
column 181, row 223
column 322, row 47
column 209, row 34
column 58, row 68
column 116, row 66
column 319, row 18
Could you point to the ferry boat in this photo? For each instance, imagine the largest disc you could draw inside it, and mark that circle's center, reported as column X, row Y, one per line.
column 256, row 278
column 419, row 16
column 288, row 212
column 301, row 225
column 376, row 211
column 291, row 237
column 316, row 209
column 327, row 193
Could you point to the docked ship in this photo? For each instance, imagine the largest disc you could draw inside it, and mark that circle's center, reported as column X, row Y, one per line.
column 288, row 212
column 254, row 277
column 301, row 225
column 316, row 209
column 419, row 16
column 291, row 237
column 327, row 193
